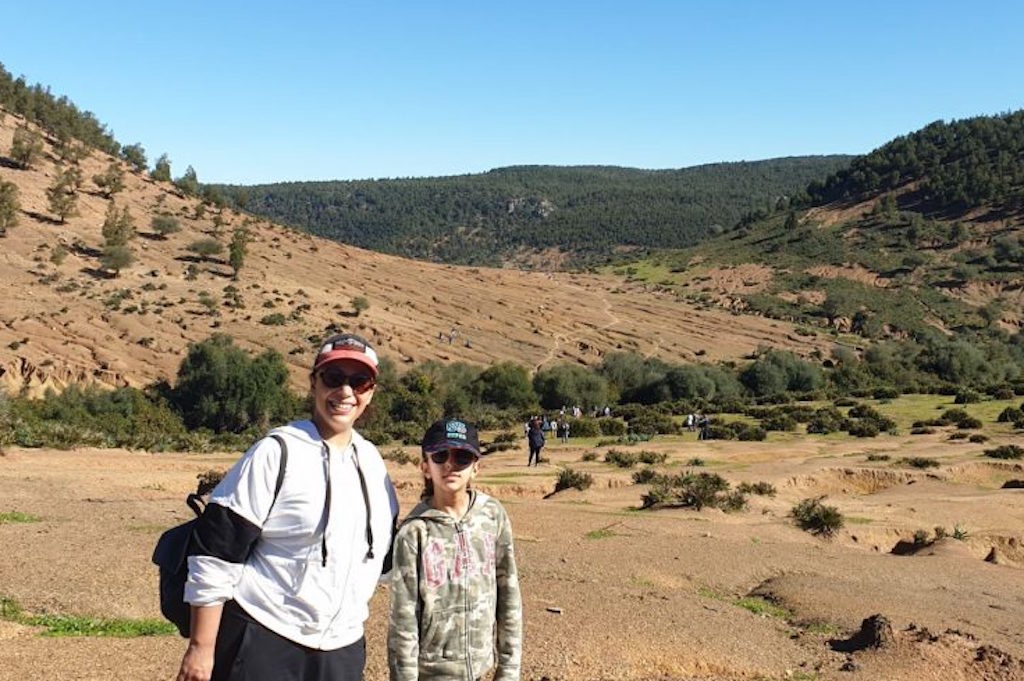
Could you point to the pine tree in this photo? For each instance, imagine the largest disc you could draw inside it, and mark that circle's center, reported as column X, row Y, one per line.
column 135, row 155
column 26, row 147
column 236, row 257
column 111, row 180
column 62, row 198
column 162, row 169
column 118, row 226
column 116, row 257
column 9, row 206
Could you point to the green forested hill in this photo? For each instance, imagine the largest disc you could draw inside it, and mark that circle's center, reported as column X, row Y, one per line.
column 955, row 166
column 922, row 236
column 487, row 218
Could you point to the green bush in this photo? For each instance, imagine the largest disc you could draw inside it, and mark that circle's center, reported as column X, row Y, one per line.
column 620, row 458
column 817, row 518
column 762, row 488
column 1005, row 452
column 1010, row 415
column 584, row 427
column 568, row 478
column 274, row 319
column 921, row 462
column 612, row 426
column 650, row 458
column 645, row 476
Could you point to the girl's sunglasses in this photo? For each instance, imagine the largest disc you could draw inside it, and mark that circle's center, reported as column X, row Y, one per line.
column 335, row 378
column 460, row 457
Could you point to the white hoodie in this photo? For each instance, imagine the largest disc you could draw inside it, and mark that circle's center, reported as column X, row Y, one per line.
column 285, row 583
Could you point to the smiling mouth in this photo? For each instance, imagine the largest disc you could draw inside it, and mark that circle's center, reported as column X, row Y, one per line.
column 337, row 406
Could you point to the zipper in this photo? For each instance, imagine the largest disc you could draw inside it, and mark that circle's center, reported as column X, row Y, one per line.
column 463, row 549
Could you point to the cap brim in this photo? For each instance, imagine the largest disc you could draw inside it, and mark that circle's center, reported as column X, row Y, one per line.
column 335, row 355
column 451, row 444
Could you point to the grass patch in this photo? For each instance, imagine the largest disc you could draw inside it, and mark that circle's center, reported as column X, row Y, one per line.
column 763, row 607
column 709, row 592
column 858, row 520
column 602, row 533
column 18, row 517
column 75, row 625
column 822, row 629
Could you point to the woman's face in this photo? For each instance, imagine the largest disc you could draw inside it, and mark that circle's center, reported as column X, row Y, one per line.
column 336, row 409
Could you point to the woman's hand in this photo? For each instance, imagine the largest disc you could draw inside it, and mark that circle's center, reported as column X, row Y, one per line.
column 197, row 665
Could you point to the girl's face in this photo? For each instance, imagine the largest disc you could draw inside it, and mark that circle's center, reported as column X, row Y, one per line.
column 451, row 470
column 341, row 391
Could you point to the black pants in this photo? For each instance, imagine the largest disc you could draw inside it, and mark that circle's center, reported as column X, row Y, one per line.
column 534, row 452
column 248, row 651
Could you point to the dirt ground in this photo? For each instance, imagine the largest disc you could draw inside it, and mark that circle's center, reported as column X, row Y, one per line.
column 610, row 592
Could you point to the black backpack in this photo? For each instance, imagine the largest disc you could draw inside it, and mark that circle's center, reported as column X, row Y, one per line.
column 171, row 556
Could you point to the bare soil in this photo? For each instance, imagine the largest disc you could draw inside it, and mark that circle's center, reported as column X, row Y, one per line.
column 611, row 592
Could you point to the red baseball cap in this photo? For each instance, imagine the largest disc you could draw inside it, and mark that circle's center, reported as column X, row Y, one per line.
column 346, row 346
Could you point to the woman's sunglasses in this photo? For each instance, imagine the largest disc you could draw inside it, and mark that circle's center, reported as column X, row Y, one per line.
column 335, row 378
column 460, row 457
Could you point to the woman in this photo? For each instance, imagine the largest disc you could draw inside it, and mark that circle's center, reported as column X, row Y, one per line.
column 280, row 585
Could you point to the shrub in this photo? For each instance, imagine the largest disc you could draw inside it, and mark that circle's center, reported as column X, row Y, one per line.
column 700, row 490
column 584, row 427
column 589, row 456
column 921, row 462
column 878, row 457
column 696, row 462
column 653, row 423
column 966, row 396
column 921, row 430
column 978, row 438
column 1005, row 452
column 651, row 458
column 969, row 423
column 817, row 518
column 506, row 436
column 863, row 428
column 885, row 393
column 781, row 422
column 1010, row 415
column 612, row 426
column 275, row 319
column 732, row 502
column 620, row 458
column 568, row 478
column 645, row 476
column 765, row 489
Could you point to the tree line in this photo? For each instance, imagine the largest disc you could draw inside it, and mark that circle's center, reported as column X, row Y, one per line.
column 484, row 219
column 223, row 397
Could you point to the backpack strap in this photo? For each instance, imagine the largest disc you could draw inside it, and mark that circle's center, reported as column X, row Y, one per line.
column 280, row 471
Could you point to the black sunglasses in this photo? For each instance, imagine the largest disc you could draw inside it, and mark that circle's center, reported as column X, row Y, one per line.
column 335, row 378
column 460, row 457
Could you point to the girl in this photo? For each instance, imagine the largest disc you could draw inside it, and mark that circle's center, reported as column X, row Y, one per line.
column 454, row 580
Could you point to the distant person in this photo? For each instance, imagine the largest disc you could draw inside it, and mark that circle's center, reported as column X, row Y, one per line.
column 553, row 427
column 454, row 587
column 690, row 420
column 265, row 573
column 535, row 436
column 607, row 411
column 564, row 427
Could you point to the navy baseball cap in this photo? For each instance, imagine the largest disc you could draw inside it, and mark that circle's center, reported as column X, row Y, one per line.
column 453, row 433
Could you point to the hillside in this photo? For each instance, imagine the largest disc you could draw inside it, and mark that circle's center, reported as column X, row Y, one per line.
column 66, row 319
column 535, row 215
column 921, row 236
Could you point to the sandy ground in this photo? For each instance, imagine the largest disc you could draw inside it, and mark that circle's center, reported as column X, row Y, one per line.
column 610, row 592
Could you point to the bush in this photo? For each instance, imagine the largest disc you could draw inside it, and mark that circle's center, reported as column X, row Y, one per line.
column 978, row 438
column 645, row 476
column 878, row 457
column 863, row 428
column 653, row 423
column 611, row 426
column 1005, row 452
column 1010, row 415
column 651, row 458
column 568, row 478
column 817, row 518
column 620, row 458
column 584, row 427
column 589, row 456
column 780, row 422
column 921, row 430
column 885, row 393
column 969, row 423
column 275, row 319
column 921, row 462
column 765, row 489
column 966, row 396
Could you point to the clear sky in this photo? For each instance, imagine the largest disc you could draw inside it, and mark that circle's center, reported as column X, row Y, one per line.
column 256, row 91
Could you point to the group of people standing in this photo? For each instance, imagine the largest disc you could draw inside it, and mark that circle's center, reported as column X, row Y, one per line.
column 535, row 430
column 700, row 423
column 281, row 574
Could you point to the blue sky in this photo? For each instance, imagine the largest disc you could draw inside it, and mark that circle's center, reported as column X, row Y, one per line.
column 250, row 92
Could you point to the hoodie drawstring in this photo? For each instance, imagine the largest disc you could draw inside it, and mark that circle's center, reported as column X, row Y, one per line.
column 327, row 504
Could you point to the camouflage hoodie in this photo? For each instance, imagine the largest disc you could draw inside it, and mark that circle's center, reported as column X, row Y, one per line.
column 453, row 586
